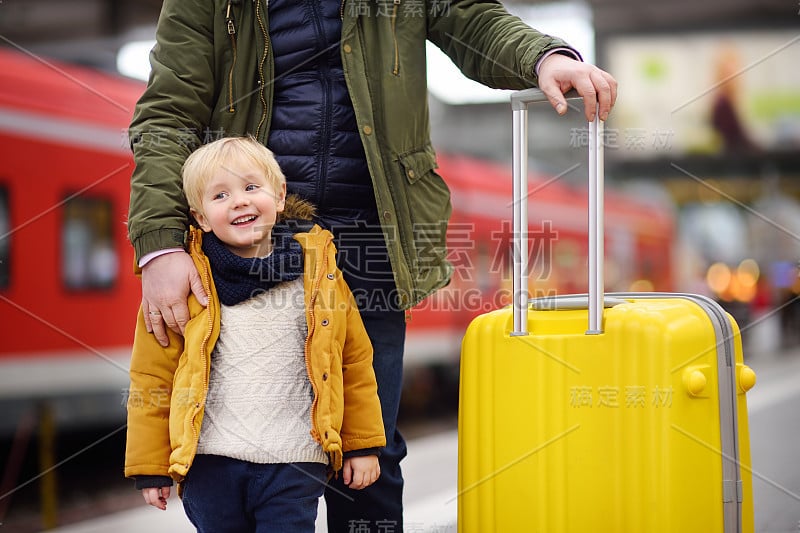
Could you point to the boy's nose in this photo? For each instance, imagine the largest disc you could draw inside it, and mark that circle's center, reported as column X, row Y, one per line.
column 240, row 199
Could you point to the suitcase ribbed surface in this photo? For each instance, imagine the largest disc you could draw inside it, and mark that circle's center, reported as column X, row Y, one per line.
column 565, row 432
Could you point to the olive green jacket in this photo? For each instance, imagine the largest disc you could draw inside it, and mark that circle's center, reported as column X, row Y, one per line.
column 211, row 76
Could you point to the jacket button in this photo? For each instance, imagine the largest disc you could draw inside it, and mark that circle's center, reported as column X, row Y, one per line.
column 330, row 276
column 325, row 376
column 410, row 173
column 325, row 322
column 347, row 48
column 368, row 130
column 387, row 215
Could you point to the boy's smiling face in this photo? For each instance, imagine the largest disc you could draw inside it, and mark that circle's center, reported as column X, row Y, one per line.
column 240, row 206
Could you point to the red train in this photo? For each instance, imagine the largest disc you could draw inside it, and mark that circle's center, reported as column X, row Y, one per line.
column 68, row 298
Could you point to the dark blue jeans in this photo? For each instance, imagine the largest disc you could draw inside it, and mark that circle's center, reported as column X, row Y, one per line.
column 378, row 507
column 224, row 495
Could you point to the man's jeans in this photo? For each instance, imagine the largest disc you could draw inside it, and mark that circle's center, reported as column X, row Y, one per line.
column 378, row 507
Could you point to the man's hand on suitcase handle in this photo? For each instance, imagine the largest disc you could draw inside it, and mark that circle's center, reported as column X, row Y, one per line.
column 559, row 73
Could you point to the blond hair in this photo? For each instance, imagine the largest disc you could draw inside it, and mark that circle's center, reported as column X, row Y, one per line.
column 204, row 162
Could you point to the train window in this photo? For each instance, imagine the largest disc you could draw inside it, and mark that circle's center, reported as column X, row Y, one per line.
column 88, row 258
column 5, row 238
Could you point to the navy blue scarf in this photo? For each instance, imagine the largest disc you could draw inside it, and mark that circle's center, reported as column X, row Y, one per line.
column 239, row 278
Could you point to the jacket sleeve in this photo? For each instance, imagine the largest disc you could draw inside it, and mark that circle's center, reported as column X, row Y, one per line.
column 168, row 121
column 487, row 43
column 153, row 367
column 362, row 424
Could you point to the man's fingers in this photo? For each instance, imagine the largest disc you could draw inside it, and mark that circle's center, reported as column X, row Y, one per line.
column 166, row 284
column 168, row 315
column 558, row 103
column 590, row 105
column 604, row 94
column 180, row 314
column 154, row 321
column 146, row 314
column 555, row 97
column 559, row 73
column 612, row 86
column 160, row 332
column 586, row 89
column 196, row 285
column 173, row 316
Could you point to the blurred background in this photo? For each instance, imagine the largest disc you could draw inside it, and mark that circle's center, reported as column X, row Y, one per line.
column 703, row 192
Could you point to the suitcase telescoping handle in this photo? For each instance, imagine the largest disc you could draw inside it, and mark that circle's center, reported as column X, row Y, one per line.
column 519, row 106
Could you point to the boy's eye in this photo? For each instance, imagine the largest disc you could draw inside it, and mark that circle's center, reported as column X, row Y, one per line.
column 252, row 187
column 220, row 195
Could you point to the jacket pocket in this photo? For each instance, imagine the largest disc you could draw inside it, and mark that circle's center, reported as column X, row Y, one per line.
column 422, row 221
column 417, row 164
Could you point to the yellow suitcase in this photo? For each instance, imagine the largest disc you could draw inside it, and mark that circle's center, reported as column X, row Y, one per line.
column 637, row 424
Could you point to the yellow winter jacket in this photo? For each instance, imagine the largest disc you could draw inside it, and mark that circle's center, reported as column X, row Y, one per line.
column 168, row 387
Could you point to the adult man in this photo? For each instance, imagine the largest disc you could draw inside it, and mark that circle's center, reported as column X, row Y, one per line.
column 338, row 92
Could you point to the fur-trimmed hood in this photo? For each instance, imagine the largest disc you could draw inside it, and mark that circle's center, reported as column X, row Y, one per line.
column 296, row 208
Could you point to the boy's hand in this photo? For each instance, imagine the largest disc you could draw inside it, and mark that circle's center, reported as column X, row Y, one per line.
column 360, row 472
column 157, row 497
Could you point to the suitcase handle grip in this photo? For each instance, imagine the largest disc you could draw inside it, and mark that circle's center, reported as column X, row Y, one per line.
column 519, row 106
column 570, row 301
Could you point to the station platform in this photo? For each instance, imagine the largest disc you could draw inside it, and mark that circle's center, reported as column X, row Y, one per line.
column 430, row 471
column 431, row 466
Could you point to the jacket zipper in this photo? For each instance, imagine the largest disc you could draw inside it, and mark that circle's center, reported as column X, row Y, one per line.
column 203, row 359
column 261, row 79
column 307, row 347
column 396, row 69
column 232, row 34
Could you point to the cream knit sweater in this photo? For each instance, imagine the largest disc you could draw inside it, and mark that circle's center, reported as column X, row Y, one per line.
column 259, row 398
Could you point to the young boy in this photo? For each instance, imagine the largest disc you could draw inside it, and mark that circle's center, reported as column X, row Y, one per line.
column 271, row 388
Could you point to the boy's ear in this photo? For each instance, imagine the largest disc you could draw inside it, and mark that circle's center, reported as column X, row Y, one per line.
column 281, row 201
column 201, row 220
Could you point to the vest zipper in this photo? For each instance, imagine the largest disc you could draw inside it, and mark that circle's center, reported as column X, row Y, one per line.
column 232, row 34
column 327, row 110
column 396, row 69
column 262, row 81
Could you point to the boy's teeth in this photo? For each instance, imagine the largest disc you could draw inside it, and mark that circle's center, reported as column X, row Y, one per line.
column 244, row 219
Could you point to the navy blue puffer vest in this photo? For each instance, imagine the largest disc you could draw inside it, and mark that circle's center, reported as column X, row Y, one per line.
column 315, row 138
column 313, row 132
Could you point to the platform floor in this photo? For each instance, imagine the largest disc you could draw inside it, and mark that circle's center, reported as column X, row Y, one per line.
column 430, row 471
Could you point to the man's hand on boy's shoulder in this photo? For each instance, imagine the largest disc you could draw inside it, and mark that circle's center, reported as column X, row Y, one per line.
column 167, row 281
column 361, row 471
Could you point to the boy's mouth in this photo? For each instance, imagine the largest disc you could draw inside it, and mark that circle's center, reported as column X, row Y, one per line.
column 244, row 220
